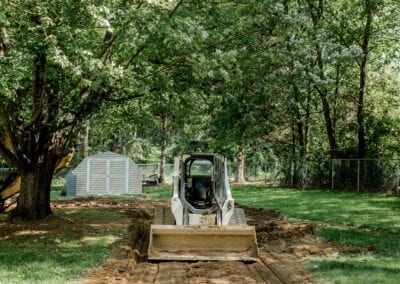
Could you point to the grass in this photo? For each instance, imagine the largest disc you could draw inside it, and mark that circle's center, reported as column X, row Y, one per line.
column 56, row 256
column 158, row 192
column 56, row 194
column 380, row 267
column 363, row 268
column 46, row 260
column 372, row 211
column 371, row 221
column 365, row 220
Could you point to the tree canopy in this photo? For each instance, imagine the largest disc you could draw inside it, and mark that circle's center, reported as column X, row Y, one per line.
column 307, row 79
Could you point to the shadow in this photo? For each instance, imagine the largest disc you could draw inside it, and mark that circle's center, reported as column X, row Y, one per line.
column 374, row 241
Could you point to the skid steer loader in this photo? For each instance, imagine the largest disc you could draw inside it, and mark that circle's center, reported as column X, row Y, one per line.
column 202, row 222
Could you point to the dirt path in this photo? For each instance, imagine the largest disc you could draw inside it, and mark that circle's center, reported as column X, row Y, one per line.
column 283, row 245
column 283, row 248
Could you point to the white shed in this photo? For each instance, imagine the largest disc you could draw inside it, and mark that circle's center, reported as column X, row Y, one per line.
column 107, row 173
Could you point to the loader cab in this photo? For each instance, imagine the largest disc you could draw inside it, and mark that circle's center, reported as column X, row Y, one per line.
column 199, row 182
column 202, row 185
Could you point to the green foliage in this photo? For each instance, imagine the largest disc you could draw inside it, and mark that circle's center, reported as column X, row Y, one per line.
column 229, row 74
column 57, row 183
column 219, row 75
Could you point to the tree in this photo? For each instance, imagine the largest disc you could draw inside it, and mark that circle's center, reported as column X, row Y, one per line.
column 59, row 62
column 316, row 11
column 234, row 78
column 287, row 74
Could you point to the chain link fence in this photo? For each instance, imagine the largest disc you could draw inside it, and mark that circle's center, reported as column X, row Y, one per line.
column 300, row 174
column 373, row 175
column 149, row 170
column 291, row 173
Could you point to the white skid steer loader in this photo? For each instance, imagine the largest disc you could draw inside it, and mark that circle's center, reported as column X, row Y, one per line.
column 202, row 223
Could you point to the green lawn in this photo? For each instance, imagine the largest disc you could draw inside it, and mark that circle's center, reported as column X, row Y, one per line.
column 44, row 254
column 158, row 192
column 47, row 260
column 373, row 211
column 354, row 219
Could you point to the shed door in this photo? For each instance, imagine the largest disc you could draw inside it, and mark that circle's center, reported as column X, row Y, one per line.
column 96, row 176
column 107, row 176
column 118, row 175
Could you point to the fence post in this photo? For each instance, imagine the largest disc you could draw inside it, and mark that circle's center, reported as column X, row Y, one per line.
column 265, row 173
column 332, row 160
column 291, row 173
column 397, row 176
column 306, row 175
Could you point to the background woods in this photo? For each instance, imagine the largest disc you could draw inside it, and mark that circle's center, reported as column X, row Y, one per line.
column 260, row 81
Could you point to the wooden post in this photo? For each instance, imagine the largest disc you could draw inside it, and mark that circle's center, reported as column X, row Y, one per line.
column 397, row 176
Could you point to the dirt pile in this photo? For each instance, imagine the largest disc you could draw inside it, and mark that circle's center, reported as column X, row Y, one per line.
column 139, row 233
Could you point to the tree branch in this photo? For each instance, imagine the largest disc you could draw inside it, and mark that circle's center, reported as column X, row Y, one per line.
column 9, row 154
column 136, row 54
column 176, row 8
column 4, row 41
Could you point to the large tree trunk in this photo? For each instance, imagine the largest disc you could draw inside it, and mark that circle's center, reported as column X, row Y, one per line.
column 360, row 111
column 164, row 135
column 34, row 197
column 239, row 175
column 323, row 94
column 330, row 131
column 363, row 78
column 316, row 11
column 301, row 122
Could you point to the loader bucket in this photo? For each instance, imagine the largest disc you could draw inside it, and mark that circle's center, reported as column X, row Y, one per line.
column 198, row 243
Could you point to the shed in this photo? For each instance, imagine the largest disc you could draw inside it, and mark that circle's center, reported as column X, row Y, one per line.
column 107, row 173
